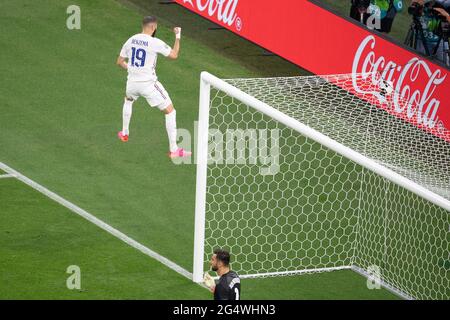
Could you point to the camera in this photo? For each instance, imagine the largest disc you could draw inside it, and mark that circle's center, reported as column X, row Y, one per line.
column 415, row 9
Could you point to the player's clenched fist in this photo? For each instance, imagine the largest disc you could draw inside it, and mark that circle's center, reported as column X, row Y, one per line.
column 177, row 31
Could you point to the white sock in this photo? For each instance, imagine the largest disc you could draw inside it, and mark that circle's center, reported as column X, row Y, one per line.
column 171, row 127
column 126, row 116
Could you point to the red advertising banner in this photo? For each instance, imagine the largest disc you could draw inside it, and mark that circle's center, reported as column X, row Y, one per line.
column 324, row 43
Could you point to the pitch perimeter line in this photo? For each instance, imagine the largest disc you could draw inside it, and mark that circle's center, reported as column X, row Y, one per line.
column 86, row 215
column 8, row 175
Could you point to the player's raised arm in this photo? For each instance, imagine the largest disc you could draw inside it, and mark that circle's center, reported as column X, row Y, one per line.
column 176, row 47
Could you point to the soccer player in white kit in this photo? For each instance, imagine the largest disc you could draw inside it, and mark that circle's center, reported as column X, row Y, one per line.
column 138, row 56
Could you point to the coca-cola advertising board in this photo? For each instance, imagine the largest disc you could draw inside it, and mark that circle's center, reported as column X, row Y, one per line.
column 324, row 43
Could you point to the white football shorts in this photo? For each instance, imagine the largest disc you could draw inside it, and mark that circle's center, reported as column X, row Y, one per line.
column 153, row 92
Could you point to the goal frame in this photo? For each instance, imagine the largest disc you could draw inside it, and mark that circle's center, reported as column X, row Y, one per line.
column 207, row 81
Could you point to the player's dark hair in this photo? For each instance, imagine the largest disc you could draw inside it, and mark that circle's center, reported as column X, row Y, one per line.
column 222, row 255
column 149, row 19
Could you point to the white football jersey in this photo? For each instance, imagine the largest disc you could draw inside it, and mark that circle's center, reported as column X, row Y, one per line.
column 142, row 53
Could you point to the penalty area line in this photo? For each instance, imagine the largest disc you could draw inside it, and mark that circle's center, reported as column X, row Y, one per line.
column 86, row 215
column 7, row 175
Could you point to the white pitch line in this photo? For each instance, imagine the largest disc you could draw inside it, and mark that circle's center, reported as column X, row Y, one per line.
column 8, row 175
column 86, row 215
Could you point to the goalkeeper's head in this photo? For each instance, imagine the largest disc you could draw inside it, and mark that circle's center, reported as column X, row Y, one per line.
column 149, row 25
column 220, row 260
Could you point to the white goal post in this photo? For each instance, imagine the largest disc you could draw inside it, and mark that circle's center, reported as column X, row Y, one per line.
column 309, row 233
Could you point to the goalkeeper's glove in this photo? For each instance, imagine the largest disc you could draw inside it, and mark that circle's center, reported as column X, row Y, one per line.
column 209, row 281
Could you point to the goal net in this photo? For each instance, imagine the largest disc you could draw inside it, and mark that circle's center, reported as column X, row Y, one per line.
column 299, row 175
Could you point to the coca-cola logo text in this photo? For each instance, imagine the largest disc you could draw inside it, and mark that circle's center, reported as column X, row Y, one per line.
column 418, row 104
column 225, row 10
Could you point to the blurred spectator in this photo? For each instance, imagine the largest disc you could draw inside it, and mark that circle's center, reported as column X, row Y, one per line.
column 376, row 14
column 429, row 31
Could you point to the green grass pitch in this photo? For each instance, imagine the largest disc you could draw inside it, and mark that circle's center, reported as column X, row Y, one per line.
column 60, row 108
